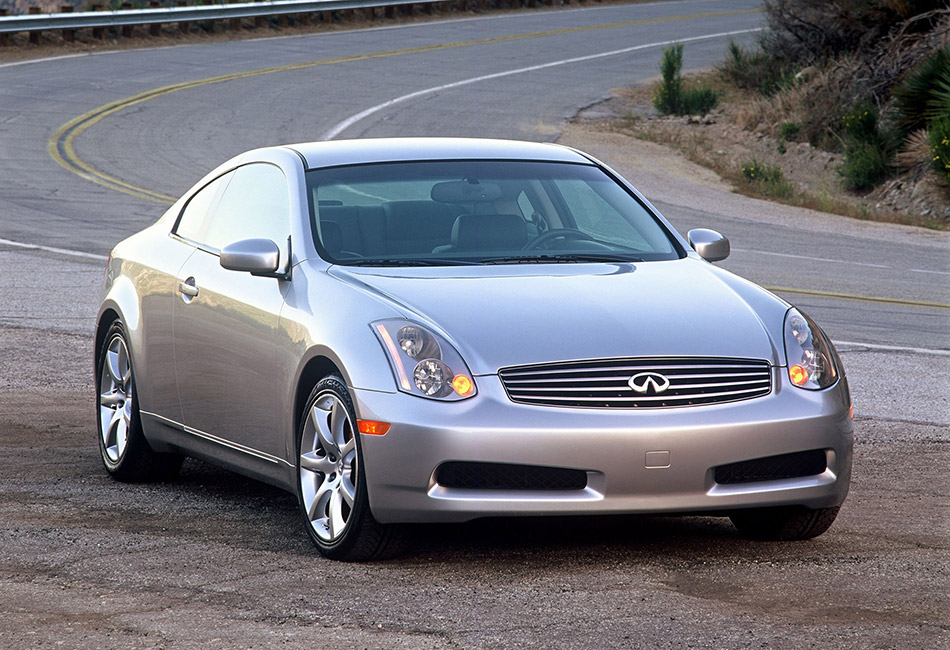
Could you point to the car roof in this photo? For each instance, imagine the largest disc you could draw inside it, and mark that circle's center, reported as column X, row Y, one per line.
column 376, row 150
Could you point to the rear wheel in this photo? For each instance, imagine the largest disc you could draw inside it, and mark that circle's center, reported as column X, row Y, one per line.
column 784, row 523
column 124, row 450
column 331, row 485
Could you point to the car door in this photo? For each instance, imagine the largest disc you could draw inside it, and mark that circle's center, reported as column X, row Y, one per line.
column 225, row 322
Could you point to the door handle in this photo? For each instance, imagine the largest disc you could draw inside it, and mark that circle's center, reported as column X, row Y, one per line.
column 187, row 288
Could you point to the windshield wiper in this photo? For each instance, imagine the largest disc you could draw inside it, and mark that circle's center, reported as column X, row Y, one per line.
column 384, row 261
column 563, row 258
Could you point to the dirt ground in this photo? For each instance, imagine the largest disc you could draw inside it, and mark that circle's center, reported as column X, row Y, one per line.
column 213, row 560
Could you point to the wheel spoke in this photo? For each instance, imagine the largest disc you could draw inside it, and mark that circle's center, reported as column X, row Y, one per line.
column 110, row 399
column 337, row 521
column 349, row 448
column 338, row 421
column 106, row 416
column 110, row 433
column 318, row 507
column 347, row 490
column 121, row 435
column 322, row 426
column 125, row 368
column 112, row 363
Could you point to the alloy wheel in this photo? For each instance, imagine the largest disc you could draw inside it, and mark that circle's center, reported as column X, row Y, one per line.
column 328, row 466
column 115, row 399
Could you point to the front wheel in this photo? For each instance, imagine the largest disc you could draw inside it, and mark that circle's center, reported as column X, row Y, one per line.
column 331, row 484
column 783, row 523
column 125, row 452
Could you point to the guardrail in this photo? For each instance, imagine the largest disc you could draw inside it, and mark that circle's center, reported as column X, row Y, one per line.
column 154, row 17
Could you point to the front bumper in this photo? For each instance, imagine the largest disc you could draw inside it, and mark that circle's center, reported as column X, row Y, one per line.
column 637, row 461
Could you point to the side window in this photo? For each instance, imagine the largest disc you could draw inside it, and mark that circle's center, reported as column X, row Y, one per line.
column 196, row 217
column 256, row 204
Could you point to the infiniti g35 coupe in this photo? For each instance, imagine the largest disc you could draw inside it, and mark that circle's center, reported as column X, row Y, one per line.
column 436, row 330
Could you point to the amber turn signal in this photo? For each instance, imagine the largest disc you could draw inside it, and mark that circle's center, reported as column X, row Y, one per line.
column 463, row 385
column 798, row 375
column 372, row 427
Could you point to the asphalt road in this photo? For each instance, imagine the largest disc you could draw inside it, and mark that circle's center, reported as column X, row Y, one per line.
column 213, row 560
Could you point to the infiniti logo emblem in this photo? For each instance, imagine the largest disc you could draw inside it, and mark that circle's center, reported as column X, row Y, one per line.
column 644, row 380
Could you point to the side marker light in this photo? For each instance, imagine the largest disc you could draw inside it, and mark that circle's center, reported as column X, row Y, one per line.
column 372, row 427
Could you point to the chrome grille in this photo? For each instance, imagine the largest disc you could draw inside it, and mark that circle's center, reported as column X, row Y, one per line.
column 606, row 383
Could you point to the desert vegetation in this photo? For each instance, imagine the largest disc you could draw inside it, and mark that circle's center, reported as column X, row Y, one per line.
column 866, row 79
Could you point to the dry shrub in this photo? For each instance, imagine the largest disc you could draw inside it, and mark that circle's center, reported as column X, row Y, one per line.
column 890, row 59
column 802, row 32
column 915, row 153
column 817, row 103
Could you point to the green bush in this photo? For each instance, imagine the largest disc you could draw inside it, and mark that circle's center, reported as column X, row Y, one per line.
column 698, row 101
column 924, row 93
column 789, row 130
column 671, row 98
column 755, row 71
column 940, row 146
column 768, row 179
column 668, row 95
column 861, row 122
column 865, row 164
column 868, row 150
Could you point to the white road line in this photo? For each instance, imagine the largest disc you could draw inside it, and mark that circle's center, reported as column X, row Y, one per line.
column 51, row 249
column 893, row 348
column 13, row 64
column 340, row 127
column 813, row 259
column 838, row 261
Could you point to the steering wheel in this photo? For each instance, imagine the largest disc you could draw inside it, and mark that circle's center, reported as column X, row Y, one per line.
column 556, row 233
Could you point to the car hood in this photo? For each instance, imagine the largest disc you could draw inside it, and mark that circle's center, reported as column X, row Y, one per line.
column 509, row 315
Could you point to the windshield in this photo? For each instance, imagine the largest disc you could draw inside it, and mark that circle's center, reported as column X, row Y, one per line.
column 479, row 212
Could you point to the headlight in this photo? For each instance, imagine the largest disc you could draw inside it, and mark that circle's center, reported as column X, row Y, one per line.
column 811, row 362
column 424, row 363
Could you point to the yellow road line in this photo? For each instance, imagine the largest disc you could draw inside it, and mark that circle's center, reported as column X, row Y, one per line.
column 859, row 298
column 62, row 145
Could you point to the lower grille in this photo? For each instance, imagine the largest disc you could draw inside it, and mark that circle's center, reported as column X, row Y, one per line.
column 502, row 476
column 773, row 468
column 648, row 382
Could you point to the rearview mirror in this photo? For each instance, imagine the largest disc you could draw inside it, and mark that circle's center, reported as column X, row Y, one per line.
column 465, row 191
column 254, row 256
column 710, row 245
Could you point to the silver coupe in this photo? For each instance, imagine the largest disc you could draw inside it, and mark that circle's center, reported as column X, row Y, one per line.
column 436, row 330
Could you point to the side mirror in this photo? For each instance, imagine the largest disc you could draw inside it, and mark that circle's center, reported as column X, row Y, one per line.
column 710, row 245
column 254, row 256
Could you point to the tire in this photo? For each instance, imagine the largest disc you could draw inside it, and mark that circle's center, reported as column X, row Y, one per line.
column 783, row 524
column 331, row 484
column 125, row 452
